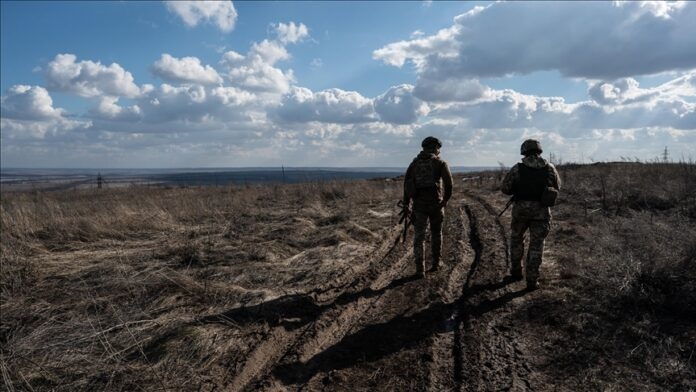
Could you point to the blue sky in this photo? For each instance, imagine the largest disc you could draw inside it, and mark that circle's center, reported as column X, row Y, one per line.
column 159, row 84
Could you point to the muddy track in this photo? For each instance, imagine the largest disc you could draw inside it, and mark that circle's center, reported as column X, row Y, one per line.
column 381, row 329
column 492, row 355
column 368, row 339
column 310, row 322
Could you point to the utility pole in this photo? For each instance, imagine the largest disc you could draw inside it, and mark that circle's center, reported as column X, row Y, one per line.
column 665, row 155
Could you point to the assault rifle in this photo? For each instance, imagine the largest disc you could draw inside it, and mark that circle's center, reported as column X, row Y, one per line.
column 512, row 200
column 406, row 219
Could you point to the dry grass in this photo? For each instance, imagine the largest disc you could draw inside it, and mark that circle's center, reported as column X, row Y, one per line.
column 623, row 317
column 92, row 280
column 617, row 309
column 100, row 290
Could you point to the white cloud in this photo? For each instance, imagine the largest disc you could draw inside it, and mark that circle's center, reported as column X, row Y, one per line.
column 185, row 70
column 28, row 112
column 597, row 40
column 89, row 79
column 256, row 71
column 399, row 106
column 328, row 106
column 621, row 106
column 108, row 108
column 291, row 33
column 627, row 91
column 660, row 9
column 36, row 129
column 230, row 96
column 251, row 112
column 417, row 50
column 269, row 52
column 187, row 108
column 29, row 103
column 220, row 13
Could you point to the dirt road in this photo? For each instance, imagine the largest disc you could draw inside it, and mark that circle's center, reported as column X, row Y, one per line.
column 382, row 329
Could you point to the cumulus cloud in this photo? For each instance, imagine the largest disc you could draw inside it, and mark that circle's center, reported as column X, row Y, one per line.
column 256, row 71
column 220, row 13
column 617, row 92
column 251, row 110
column 28, row 112
column 417, row 50
column 506, row 109
column 230, row 96
column 598, row 40
column 625, row 106
column 108, row 108
column 185, row 70
column 189, row 108
column 29, row 103
column 627, row 91
column 291, row 33
column 35, row 129
column 328, row 106
column 399, row 106
column 89, row 79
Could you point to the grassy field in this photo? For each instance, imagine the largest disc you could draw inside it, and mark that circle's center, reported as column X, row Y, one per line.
column 107, row 289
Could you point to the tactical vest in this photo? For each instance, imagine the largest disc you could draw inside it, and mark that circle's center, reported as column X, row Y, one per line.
column 424, row 173
column 532, row 182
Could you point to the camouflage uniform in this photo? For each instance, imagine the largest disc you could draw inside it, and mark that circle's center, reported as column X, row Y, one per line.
column 528, row 214
column 428, row 204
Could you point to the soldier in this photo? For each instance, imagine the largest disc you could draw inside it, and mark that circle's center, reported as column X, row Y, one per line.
column 528, row 182
column 425, row 179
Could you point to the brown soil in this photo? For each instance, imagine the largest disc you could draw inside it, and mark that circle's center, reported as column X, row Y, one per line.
column 320, row 297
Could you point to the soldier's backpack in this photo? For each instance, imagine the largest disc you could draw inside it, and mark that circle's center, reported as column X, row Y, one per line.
column 422, row 176
column 550, row 194
column 423, row 173
column 536, row 184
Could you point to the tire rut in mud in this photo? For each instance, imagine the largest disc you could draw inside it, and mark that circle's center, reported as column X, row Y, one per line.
column 491, row 357
column 381, row 329
column 308, row 322
column 392, row 341
column 270, row 329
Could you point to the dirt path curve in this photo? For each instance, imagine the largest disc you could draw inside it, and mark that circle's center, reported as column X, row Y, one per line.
column 383, row 340
column 493, row 352
column 385, row 330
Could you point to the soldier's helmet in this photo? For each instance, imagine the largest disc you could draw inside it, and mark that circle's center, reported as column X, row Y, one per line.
column 531, row 146
column 431, row 141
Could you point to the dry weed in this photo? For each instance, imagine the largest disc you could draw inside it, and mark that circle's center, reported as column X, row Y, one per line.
column 96, row 285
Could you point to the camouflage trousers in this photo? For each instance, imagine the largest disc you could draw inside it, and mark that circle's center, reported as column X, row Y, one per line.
column 420, row 223
column 538, row 230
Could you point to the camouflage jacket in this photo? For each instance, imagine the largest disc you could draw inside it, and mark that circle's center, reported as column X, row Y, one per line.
column 528, row 208
column 428, row 198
